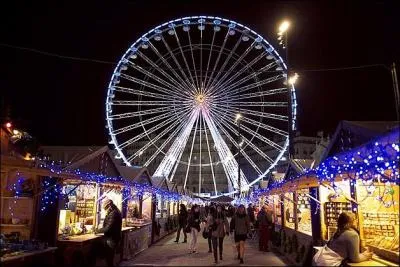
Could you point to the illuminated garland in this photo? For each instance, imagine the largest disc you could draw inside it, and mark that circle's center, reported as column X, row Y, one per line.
column 368, row 162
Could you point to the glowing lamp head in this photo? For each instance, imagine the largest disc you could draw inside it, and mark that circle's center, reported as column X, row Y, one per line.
column 15, row 132
column 8, row 124
column 238, row 117
column 293, row 79
column 284, row 27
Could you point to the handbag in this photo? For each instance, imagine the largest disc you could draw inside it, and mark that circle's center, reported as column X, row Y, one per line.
column 326, row 257
column 205, row 234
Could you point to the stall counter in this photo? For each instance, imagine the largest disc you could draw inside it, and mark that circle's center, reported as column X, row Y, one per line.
column 39, row 257
column 375, row 261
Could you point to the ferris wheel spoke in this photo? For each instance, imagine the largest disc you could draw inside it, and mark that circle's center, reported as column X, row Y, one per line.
column 142, row 82
column 261, row 114
column 229, row 71
column 210, row 158
column 162, row 146
column 257, row 84
column 156, row 138
column 145, row 122
column 257, row 123
column 145, row 93
column 148, row 103
column 247, row 141
column 185, row 78
column 172, row 87
column 217, row 61
column 194, row 65
column 191, row 152
column 252, row 75
column 147, row 132
column 238, row 73
column 254, row 95
column 235, row 144
column 201, row 62
column 199, row 155
column 160, row 69
column 139, row 113
column 220, row 71
column 174, row 153
column 184, row 58
column 259, row 136
column 209, row 59
column 257, row 104
column 227, row 159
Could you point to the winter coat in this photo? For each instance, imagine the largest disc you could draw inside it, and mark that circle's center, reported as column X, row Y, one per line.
column 194, row 220
column 240, row 224
column 112, row 225
column 183, row 216
column 219, row 225
column 250, row 212
column 264, row 218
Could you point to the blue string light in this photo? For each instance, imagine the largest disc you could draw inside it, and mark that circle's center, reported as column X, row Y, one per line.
column 378, row 158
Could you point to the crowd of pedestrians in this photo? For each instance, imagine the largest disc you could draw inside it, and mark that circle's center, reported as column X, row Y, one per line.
column 217, row 221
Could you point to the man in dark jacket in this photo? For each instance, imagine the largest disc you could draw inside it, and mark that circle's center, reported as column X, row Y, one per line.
column 265, row 221
column 112, row 230
column 183, row 215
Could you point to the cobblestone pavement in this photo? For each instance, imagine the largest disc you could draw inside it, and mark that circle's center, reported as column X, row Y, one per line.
column 168, row 253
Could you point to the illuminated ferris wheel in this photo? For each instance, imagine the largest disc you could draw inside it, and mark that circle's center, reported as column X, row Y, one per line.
column 201, row 94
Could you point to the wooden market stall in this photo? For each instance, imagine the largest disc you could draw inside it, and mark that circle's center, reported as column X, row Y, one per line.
column 22, row 241
column 81, row 211
column 165, row 219
column 340, row 183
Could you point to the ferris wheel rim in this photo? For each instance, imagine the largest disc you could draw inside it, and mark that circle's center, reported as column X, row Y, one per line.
column 109, row 119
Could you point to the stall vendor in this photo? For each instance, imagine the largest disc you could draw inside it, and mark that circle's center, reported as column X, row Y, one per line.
column 112, row 230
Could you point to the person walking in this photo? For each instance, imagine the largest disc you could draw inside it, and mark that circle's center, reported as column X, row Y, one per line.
column 219, row 227
column 194, row 224
column 250, row 212
column 211, row 211
column 264, row 220
column 240, row 225
column 111, row 229
column 182, row 221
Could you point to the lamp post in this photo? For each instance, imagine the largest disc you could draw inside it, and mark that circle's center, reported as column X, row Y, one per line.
column 237, row 120
column 290, row 81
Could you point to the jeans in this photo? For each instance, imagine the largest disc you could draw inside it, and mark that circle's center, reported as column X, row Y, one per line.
column 209, row 243
column 193, row 241
column 217, row 242
column 178, row 234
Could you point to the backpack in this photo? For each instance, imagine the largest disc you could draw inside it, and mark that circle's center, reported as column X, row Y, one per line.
column 326, row 257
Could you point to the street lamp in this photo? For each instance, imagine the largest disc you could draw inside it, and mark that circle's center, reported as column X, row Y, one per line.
column 292, row 80
column 237, row 121
column 283, row 41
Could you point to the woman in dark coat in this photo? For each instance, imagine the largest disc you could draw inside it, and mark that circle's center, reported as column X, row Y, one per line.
column 183, row 216
column 240, row 224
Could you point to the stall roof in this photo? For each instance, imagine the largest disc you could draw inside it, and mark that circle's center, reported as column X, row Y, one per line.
column 139, row 175
column 99, row 159
column 160, row 182
column 351, row 134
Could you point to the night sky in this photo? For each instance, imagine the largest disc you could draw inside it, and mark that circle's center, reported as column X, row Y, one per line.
column 61, row 101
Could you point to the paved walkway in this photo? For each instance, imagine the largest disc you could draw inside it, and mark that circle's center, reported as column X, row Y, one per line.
column 168, row 253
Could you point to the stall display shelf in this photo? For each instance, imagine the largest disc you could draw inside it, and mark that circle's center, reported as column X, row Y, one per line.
column 304, row 213
column 333, row 210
